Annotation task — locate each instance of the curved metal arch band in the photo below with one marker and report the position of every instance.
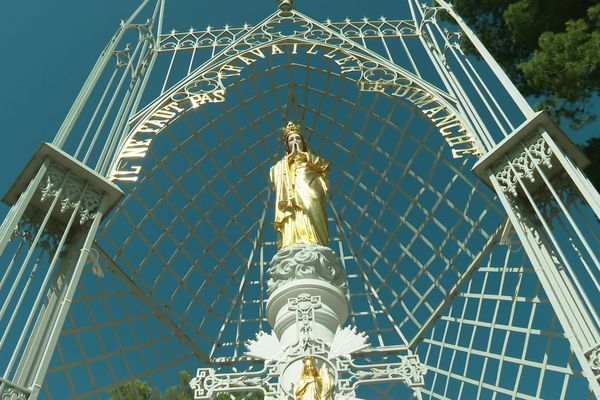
(455, 171)
(213, 67)
(157, 167)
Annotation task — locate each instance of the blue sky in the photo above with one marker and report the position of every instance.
(50, 47)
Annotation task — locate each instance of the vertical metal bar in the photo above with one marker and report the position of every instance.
(566, 213)
(478, 90)
(385, 46)
(96, 111)
(108, 111)
(11, 221)
(261, 282)
(32, 249)
(159, 25)
(568, 295)
(590, 228)
(471, 111)
(586, 266)
(542, 263)
(167, 76)
(105, 117)
(467, 110)
(4, 228)
(12, 263)
(491, 62)
(49, 275)
(147, 73)
(126, 129)
(121, 118)
(409, 56)
(68, 297)
(192, 57)
(488, 91)
(39, 332)
(90, 83)
(15, 312)
(583, 184)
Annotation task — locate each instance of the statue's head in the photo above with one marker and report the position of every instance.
(292, 136)
(309, 365)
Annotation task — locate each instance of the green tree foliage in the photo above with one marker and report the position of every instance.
(550, 49)
(137, 390)
(134, 390)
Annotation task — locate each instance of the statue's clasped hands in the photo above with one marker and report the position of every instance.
(297, 153)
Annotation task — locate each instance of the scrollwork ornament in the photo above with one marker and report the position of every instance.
(542, 152)
(145, 31)
(452, 41)
(285, 5)
(48, 190)
(74, 192)
(207, 382)
(594, 357)
(507, 180)
(429, 15)
(300, 28)
(123, 57)
(53, 180)
(89, 205)
(12, 393)
(306, 262)
(410, 371)
(23, 231)
(522, 164)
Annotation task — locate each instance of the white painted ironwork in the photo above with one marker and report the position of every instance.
(495, 291)
(306, 262)
(283, 365)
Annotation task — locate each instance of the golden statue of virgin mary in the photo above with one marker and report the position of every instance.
(314, 383)
(300, 183)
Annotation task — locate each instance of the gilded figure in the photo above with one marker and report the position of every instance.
(314, 383)
(300, 183)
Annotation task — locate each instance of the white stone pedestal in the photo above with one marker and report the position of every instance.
(306, 307)
(307, 304)
(330, 311)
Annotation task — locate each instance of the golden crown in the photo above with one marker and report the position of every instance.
(291, 127)
(309, 358)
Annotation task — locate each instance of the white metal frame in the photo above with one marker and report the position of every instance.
(541, 200)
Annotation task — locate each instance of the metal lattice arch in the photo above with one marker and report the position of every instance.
(475, 249)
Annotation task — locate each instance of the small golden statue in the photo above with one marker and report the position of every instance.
(314, 384)
(300, 183)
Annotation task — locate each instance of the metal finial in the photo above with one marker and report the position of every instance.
(285, 5)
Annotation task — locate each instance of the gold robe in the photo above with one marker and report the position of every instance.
(309, 388)
(300, 183)
(315, 386)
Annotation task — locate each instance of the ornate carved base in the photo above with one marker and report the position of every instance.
(284, 362)
(594, 358)
(306, 262)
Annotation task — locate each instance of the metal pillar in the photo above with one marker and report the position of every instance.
(58, 204)
(537, 173)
